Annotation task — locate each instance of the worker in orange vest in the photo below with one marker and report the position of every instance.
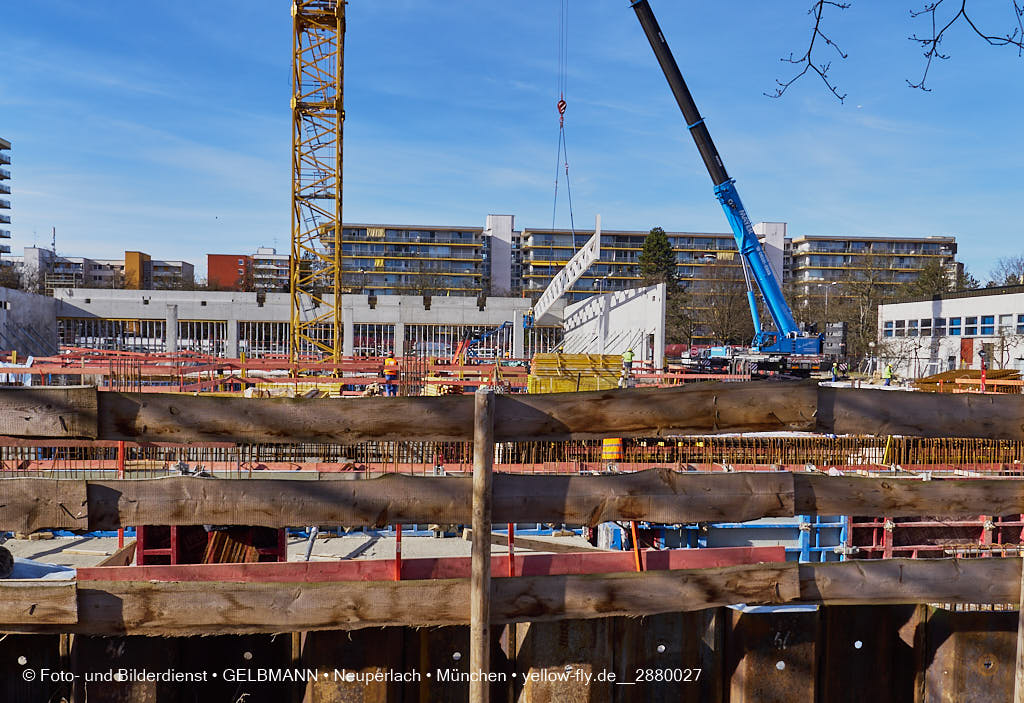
(390, 375)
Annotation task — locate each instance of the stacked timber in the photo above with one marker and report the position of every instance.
(568, 373)
(957, 379)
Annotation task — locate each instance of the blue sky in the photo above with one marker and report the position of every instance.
(165, 126)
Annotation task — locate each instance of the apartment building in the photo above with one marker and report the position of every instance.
(818, 261)
(699, 257)
(265, 270)
(415, 259)
(44, 270)
(5, 190)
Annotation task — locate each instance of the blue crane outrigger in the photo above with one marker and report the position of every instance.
(786, 338)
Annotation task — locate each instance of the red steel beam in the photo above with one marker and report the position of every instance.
(440, 568)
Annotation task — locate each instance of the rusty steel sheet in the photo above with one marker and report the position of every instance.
(772, 657)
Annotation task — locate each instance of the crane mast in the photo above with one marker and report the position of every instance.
(787, 337)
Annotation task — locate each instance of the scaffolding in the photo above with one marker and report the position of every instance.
(317, 117)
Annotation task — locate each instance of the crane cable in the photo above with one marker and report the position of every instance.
(562, 155)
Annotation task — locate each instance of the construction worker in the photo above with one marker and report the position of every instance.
(627, 361)
(835, 371)
(390, 375)
(887, 374)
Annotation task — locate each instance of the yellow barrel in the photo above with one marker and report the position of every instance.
(611, 449)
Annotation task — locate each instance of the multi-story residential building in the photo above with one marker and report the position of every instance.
(5, 190)
(229, 271)
(412, 259)
(819, 261)
(43, 270)
(270, 270)
(699, 257)
(265, 270)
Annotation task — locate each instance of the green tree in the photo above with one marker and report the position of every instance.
(657, 261)
(932, 280)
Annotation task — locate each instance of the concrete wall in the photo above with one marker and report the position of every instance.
(614, 322)
(773, 241)
(499, 229)
(915, 355)
(28, 323)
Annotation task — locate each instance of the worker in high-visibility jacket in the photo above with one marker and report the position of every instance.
(611, 449)
(627, 361)
(390, 375)
(887, 374)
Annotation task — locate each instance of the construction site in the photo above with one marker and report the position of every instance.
(342, 494)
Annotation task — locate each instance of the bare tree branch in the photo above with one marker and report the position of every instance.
(931, 44)
(807, 60)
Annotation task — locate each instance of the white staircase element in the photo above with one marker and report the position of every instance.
(576, 267)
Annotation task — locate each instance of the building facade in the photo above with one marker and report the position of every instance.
(229, 271)
(5, 203)
(816, 261)
(265, 270)
(42, 270)
(224, 323)
(951, 331)
(415, 260)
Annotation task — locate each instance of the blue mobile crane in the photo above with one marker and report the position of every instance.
(786, 348)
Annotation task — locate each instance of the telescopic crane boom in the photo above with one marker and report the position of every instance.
(787, 337)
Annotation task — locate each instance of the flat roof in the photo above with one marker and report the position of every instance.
(425, 227)
(874, 238)
(972, 293)
(4, 144)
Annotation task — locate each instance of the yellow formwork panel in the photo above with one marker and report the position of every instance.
(568, 373)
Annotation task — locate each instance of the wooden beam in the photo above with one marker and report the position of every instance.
(213, 607)
(68, 411)
(480, 580)
(657, 495)
(204, 607)
(33, 602)
(693, 409)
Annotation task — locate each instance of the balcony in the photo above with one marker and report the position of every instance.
(5, 249)
(5, 204)
(5, 189)
(4, 158)
(5, 219)
(5, 234)
(4, 173)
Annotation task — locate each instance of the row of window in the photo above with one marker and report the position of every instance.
(978, 326)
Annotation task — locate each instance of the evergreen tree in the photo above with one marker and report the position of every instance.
(931, 281)
(657, 261)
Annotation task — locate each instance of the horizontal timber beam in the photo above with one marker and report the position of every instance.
(182, 608)
(658, 495)
(53, 413)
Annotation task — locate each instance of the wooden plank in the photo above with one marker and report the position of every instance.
(895, 581)
(204, 607)
(37, 602)
(692, 409)
(818, 494)
(121, 558)
(48, 412)
(480, 579)
(657, 495)
(881, 412)
(30, 504)
(191, 608)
